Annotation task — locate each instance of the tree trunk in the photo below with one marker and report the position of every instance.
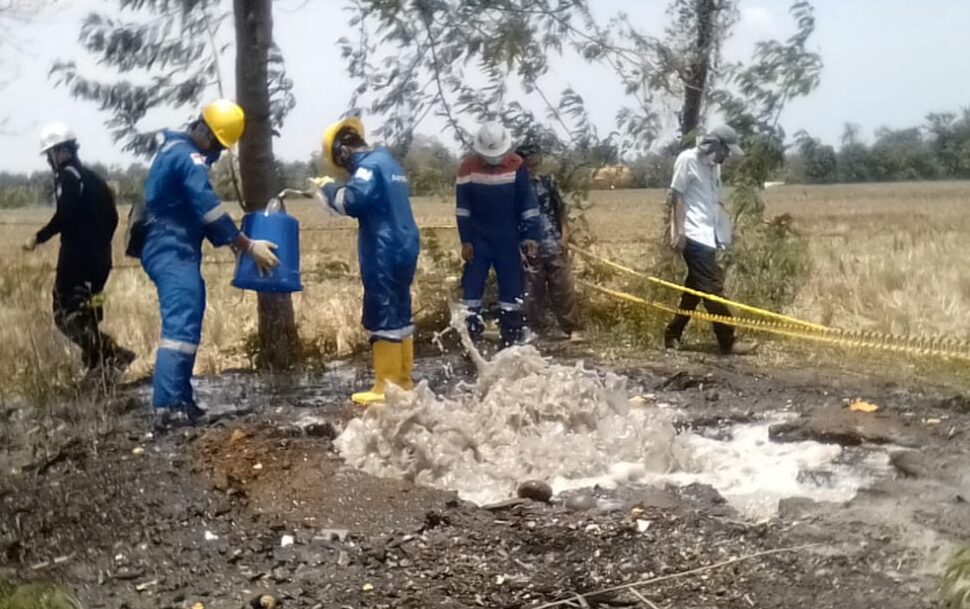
(254, 36)
(695, 77)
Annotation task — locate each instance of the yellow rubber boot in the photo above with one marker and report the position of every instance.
(407, 364)
(387, 366)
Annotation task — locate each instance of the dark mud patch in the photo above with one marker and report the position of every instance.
(189, 517)
(839, 425)
(301, 480)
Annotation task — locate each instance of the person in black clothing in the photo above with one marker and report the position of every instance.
(86, 220)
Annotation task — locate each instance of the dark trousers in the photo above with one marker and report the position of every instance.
(549, 286)
(77, 316)
(506, 259)
(703, 274)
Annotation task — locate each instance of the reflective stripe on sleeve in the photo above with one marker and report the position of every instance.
(214, 214)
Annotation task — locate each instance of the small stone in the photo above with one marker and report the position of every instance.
(909, 463)
(220, 481)
(367, 588)
(237, 435)
(138, 451)
(536, 490)
(332, 535)
(321, 430)
(210, 536)
(264, 601)
(287, 541)
(580, 503)
(221, 507)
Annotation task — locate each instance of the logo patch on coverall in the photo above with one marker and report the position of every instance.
(364, 174)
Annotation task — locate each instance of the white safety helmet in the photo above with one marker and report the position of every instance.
(493, 141)
(55, 134)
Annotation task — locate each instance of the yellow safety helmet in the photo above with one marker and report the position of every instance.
(226, 120)
(330, 136)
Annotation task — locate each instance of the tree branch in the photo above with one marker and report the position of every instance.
(441, 93)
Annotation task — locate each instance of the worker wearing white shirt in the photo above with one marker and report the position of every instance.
(699, 227)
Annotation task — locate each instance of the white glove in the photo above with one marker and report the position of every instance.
(316, 186)
(262, 254)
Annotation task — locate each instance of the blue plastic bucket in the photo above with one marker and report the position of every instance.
(283, 230)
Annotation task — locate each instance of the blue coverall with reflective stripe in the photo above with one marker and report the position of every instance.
(496, 209)
(181, 210)
(388, 241)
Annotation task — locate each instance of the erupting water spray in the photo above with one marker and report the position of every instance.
(527, 418)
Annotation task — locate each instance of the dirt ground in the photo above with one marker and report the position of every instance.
(259, 503)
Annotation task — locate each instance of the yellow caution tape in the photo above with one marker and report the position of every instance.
(952, 349)
(934, 345)
(712, 297)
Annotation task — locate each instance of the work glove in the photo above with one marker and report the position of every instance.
(262, 254)
(316, 187)
(30, 244)
(319, 182)
(467, 252)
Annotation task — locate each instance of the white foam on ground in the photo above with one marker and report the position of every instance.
(753, 473)
(529, 418)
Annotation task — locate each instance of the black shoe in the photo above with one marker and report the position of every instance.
(741, 347)
(183, 415)
(120, 360)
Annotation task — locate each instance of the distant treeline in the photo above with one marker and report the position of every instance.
(938, 149)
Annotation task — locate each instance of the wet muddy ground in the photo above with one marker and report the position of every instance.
(259, 503)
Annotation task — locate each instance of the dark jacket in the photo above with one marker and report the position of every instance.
(496, 203)
(86, 220)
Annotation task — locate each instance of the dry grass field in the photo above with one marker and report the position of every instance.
(887, 257)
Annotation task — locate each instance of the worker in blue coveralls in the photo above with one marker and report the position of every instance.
(498, 223)
(180, 210)
(374, 190)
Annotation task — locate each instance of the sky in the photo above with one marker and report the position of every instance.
(887, 63)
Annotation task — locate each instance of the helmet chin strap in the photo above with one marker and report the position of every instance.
(52, 159)
(343, 157)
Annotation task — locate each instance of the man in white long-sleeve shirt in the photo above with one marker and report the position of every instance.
(699, 228)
